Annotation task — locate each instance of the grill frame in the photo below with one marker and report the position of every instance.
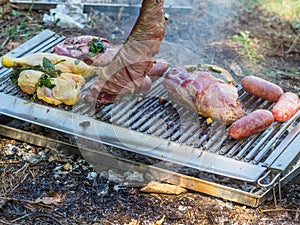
(81, 123)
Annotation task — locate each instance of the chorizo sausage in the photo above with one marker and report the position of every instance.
(286, 107)
(262, 88)
(253, 123)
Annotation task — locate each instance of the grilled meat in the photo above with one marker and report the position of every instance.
(64, 92)
(133, 61)
(207, 91)
(127, 67)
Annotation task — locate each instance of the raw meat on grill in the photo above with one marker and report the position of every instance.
(207, 91)
(133, 61)
(63, 63)
(49, 77)
(79, 47)
(82, 47)
(66, 87)
(255, 122)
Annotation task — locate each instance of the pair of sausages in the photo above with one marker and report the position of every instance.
(287, 104)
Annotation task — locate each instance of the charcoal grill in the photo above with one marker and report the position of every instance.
(153, 126)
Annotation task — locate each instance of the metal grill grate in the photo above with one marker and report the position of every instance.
(155, 127)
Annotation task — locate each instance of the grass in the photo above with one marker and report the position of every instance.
(21, 22)
(247, 45)
(286, 9)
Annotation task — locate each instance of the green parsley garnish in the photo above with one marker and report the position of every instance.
(206, 67)
(216, 72)
(211, 68)
(95, 47)
(45, 80)
(47, 68)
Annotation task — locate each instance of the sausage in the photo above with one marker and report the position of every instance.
(262, 88)
(253, 123)
(286, 107)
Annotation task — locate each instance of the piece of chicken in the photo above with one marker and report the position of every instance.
(67, 87)
(63, 92)
(28, 80)
(66, 64)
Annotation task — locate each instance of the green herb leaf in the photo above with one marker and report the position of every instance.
(45, 80)
(95, 47)
(211, 68)
(48, 66)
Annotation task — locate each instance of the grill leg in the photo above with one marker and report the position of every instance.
(274, 192)
(274, 195)
(279, 189)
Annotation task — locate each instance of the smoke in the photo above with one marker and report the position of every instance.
(207, 22)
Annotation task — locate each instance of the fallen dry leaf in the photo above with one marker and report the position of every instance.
(11, 45)
(54, 199)
(48, 200)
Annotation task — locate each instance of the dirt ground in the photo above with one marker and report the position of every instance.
(41, 186)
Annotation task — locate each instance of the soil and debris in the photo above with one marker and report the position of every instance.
(45, 186)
